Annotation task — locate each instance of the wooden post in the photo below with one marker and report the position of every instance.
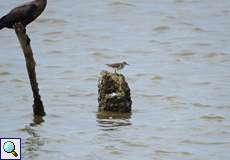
(24, 40)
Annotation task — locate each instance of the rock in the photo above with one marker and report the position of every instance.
(114, 93)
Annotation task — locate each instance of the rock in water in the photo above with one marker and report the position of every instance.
(114, 93)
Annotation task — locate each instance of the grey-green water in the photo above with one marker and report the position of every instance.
(179, 77)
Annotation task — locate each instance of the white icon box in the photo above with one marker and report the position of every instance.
(10, 149)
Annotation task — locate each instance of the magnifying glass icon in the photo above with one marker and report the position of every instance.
(9, 147)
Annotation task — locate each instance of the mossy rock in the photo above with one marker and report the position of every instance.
(114, 93)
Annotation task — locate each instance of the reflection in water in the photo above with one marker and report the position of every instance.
(33, 143)
(111, 121)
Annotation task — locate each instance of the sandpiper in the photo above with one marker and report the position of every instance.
(117, 66)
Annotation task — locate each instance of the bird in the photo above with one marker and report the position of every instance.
(117, 66)
(24, 14)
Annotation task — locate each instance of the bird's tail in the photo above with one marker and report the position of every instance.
(1, 23)
(1, 27)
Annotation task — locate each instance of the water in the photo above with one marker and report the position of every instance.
(179, 77)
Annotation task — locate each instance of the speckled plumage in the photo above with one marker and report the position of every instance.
(117, 66)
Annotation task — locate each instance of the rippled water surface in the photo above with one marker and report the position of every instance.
(179, 77)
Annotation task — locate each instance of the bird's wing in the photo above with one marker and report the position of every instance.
(113, 65)
(19, 13)
(110, 65)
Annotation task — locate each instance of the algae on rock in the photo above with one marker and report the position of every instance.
(114, 93)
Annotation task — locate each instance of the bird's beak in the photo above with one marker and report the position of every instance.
(128, 64)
